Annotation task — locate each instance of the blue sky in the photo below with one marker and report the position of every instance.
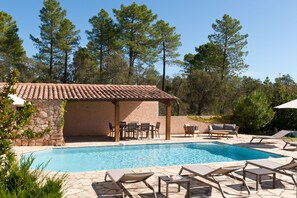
(271, 25)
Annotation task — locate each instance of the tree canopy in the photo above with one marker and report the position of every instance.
(102, 37)
(232, 43)
(68, 40)
(51, 16)
(12, 52)
(128, 45)
(134, 23)
(84, 67)
(167, 44)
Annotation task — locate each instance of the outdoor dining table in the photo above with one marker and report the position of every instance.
(123, 126)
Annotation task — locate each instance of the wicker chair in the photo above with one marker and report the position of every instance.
(191, 130)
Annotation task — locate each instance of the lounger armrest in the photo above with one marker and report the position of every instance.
(291, 165)
(226, 170)
(250, 162)
(236, 130)
(135, 177)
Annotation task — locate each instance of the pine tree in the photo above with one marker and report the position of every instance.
(116, 69)
(208, 58)
(68, 40)
(84, 67)
(168, 43)
(228, 37)
(12, 52)
(102, 38)
(51, 16)
(134, 25)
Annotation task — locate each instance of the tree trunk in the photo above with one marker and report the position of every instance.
(164, 66)
(100, 64)
(51, 61)
(65, 67)
(131, 65)
(131, 57)
(101, 60)
(101, 52)
(224, 65)
(222, 109)
(224, 58)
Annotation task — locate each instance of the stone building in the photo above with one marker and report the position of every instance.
(85, 109)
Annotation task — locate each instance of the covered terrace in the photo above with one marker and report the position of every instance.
(54, 94)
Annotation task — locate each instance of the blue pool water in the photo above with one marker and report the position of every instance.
(137, 156)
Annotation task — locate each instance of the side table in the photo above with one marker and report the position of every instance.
(168, 180)
(259, 172)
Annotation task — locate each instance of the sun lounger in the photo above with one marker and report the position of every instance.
(277, 135)
(118, 177)
(290, 143)
(276, 167)
(209, 174)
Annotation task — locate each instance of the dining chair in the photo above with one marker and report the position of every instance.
(122, 128)
(111, 130)
(156, 129)
(131, 128)
(144, 128)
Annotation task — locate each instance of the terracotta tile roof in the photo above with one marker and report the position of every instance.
(46, 91)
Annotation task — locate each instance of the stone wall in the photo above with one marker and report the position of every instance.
(48, 114)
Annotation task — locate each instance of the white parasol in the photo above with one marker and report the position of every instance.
(289, 105)
(17, 101)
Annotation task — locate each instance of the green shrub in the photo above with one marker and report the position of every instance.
(16, 179)
(21, 182)
(253, 112)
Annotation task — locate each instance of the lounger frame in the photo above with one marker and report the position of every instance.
(210, 176)
(277, 135)
(129, 178)
(280, 169)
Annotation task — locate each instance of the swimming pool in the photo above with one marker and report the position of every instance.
(136, 156)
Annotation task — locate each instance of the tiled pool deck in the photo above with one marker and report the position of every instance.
(91, 184)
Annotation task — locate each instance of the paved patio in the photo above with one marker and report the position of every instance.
(91, 184)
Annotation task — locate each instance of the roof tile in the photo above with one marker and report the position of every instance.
(96, 92)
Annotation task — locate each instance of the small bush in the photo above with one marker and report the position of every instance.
(21, 182)
(253, 112)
